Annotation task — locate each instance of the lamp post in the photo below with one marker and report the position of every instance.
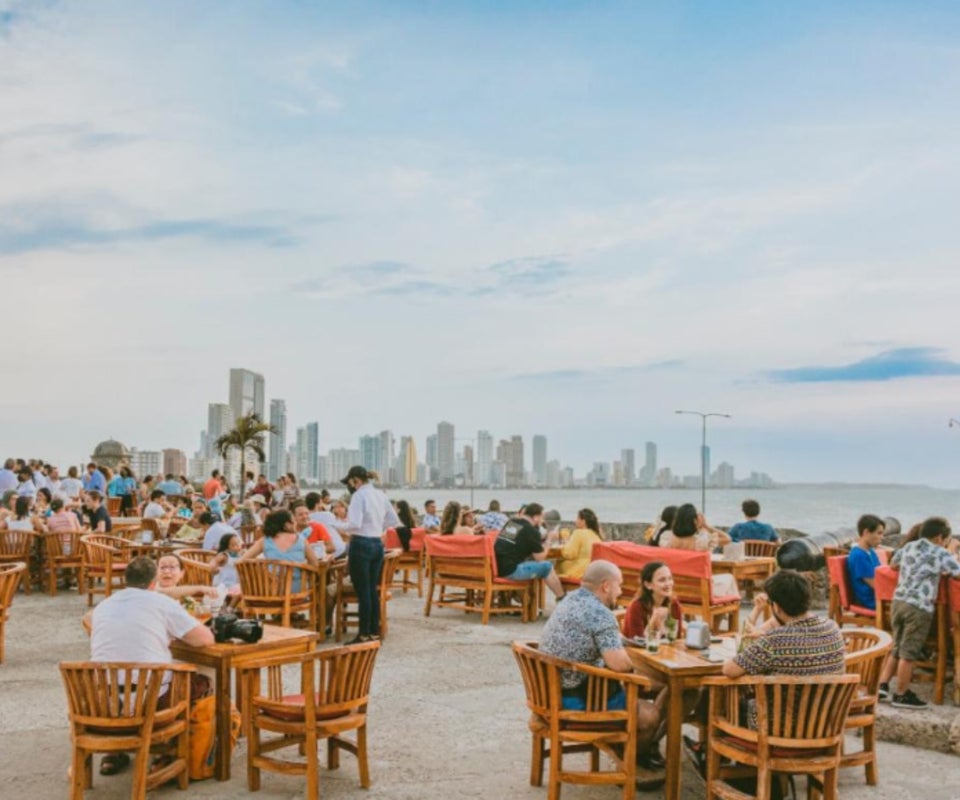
(703, 452)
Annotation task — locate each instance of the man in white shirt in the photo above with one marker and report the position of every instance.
(215, 532)
(26, 487)
(430, 521)
(158, 507)
(70, 487)
(8, 478)
(137, 625)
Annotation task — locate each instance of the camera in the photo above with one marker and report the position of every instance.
(230, 626)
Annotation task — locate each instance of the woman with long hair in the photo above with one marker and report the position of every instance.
(282, 542)
(369, 515)
(692, 532)
(575, 554)
(452, 520)
(407, 524)
(655, 532)
(654, 603)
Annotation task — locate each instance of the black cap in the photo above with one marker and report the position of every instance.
(356, 472)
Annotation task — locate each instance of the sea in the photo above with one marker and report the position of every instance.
(803, 507)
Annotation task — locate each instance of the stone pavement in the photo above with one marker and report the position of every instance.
(447, 719)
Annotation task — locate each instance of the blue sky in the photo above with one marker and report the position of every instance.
(558, 218)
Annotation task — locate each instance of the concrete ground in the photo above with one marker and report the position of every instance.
(447, 719)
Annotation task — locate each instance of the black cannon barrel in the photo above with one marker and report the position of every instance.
(805, 553)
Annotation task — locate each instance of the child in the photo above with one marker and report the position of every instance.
(863, 560)
(224, 567)
(921, 563)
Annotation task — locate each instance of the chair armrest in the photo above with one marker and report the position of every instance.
(772, 680)
(602, 672)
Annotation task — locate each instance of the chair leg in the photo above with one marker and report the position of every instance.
(487, 603)
(80, 773)
(362, 763)
(764, 777)
(830, 784)
(870, 746)
(313, 765)
(141, 763)
(253, 752)
(426, 606)
(183, 752)
(333, 753)
(536, 761)
(556, 763)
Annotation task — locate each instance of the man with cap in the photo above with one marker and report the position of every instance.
(520, 553)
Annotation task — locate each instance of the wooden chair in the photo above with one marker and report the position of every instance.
(63, 551)
(799, 730)
(103, 563)
(16, 547)
(558, 732)
(154, 527)
(463, 568)
(346, 597)
(113, 506)
(250, 533)
(410, 561)
(842, 608)
(104, 718)
(196, 566)
(266, 586)
(757, 548)
(10, 575)
(333, 693)
(867, 648)
(953, 596)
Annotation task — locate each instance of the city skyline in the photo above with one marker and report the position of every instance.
(565, 219)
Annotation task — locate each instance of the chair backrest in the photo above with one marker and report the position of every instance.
(391, 559)
(866, 649)
(153, 526)
(97, 694)
(64, 544)
(391, 540)
(840, 579)
(113, 506)
(101, 548)
(757, 547)
(266, 579)
(196, 569)
(10, 575)
(16, 544)
(461, 556)
(197, 554)
(249, 534)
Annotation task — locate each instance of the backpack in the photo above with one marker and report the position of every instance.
(203, 736)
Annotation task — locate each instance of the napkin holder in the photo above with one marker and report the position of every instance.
(698, 635)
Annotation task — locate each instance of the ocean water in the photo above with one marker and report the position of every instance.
(805, 508)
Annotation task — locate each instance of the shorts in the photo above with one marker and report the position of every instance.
(528, 570)
(577, 702)
(911, 626)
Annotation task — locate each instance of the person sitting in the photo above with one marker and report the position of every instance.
(22, 519)
(170, 485)
(316, 533)
(921, 564)
(407, 524)
(224, 565)
(215, 531)
(98, 518)
(430, 521)
(158, 507)
(520, 554)
(863, 560)
(692, 532)
(493, 519)
(583, 629)
(655, 532)
(137, 625)
(282, 542)
(451, 521)
(61, 520)
(575, 553)
(169, 575)
(752, 528)
(655, 609)
(318, 513)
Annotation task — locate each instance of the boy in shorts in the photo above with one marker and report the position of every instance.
(921, 564)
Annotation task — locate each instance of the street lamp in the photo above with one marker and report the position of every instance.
(703, 452)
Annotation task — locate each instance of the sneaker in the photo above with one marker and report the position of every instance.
(883, 693)
(908, 700)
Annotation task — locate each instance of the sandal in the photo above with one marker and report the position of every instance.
(112, 763)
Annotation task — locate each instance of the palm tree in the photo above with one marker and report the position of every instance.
(247, 434)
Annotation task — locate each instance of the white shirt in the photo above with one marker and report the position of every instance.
(211, 539)
(8, 480)
(330, 522)
(70, 487)
(27, 489)
(370, 513)
(154, 511)
(138, 625)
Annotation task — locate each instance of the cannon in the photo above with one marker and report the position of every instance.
(805, 553)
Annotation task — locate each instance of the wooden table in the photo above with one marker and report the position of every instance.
(679, 668)
(224, 657)
(750, 568)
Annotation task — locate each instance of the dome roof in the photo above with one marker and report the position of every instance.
(110, 448)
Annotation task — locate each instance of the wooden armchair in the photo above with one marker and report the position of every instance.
(757, 548)
(196, 566)
(799, 730)
(17, 547)
(266, 588)
(10, 575)
(106, 718)
(347, 597)
(63, 551)
(867, 649)
(410, 561)
(103, 564)
(842, 608)
(332, 695)
(558, 732)
(113, 506)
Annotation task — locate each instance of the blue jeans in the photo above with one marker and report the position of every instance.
(577, 702)
(365, 562)
(528, 570)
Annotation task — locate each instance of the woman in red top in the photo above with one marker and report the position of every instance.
(653, 603)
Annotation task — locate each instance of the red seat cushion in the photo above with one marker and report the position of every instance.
(727, 598)
(863, 612)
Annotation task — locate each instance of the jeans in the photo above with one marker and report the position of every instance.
(365, 562)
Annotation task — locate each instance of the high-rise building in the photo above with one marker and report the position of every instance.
(650, 464)
(369, 447)
(446, 452)
(431, 458)
(510, 452)
(553, 474)
(540, 460)
(724, 477)
(145, 462)
(339, 462)
(387, 445)
(628, 460)
(219, 421)
(246, 393)
(174, 462)
(484, 457)
(312, 455)
(469, 465)
(278, 441)
(617, 478)
(407, 462)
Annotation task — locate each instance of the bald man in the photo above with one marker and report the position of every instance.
(584, 629)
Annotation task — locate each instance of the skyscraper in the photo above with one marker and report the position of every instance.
(313, 452)
(174, 462)
(219, 421)
(407, 463)
(246, 392)
(540, 460)
(432, 458)
(278, 441)
(445, 453)
(300, 454)
(484, 457)
(386, 444)
(510, 453)
(650, 464)
(628, 460)
(705, 456)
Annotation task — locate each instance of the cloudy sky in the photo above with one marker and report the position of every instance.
(559, 218)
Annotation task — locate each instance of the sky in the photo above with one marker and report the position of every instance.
(568, 219)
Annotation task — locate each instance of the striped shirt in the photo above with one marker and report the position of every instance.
(810, 646)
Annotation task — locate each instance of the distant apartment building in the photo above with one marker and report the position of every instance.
(312, 455)
(650, 464)
(432, 458)
(484, 457)
(446, 453)
(247, 392)
(174, 462)
(340, 460)
(628, 460)
(145, 462)
(277, 446)
(540, 460)
(407, 462)
(219, 421)
(510, 453)
(723, 476)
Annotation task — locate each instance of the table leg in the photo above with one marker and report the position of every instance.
(674, 739)
(223, 720)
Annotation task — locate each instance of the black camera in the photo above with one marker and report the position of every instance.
(230, 626)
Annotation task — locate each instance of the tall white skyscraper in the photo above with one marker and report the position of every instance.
(313, 452)
(629, 462)
(387, 456)
(219, 421)
(540, 460)
(446, 453)
(339, 462)
(650, 464)
(277, 449)
(246, 392)
(484, 457)
(432, 458)
(300, 454)
(370, 453)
